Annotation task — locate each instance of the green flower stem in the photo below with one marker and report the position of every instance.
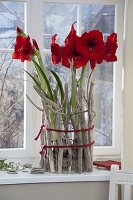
(82, 77)
(89, 81)
(73, 89)
(38, 55)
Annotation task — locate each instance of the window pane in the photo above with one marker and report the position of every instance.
(101, 17)
(103, 102)
(57, 18)
(94, 16)
(11, 16)
(11, 102)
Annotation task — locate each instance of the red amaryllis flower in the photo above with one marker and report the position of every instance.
(55, 50)
(110, 48)
(95, 46)
(23, 48)
(74, 53)
(73, 50)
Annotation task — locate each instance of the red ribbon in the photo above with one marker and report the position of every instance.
(70, 131)
(44, 148)
(43, 128)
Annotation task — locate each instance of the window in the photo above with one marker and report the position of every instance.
(57, 18)
(41, 20)
(12, 14)
(92, 16)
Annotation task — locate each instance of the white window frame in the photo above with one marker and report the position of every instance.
(30, 146)
(35, 29)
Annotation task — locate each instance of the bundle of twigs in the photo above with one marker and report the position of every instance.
(67, 139)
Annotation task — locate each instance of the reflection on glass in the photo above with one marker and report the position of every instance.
(11, 103)
(57, 18)
(11, 16)
(96, 16)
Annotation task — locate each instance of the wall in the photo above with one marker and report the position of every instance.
(56, 191)
(128, 89)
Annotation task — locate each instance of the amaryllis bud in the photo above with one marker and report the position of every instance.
(19, 30)
(35, 44)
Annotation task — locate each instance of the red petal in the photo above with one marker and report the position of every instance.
(92, 64)
(71, 36)
(15, 55)
(19, 39)
(95, 46)
(54, 38)
(111, 46)
(111, 58)
(56, 54)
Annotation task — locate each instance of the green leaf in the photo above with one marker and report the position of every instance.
(37, 82)
(45, 85)
(34, 79)
(47, 100)
(58, 82)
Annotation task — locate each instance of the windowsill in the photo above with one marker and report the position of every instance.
(27, 178)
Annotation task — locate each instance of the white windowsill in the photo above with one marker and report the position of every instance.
(25, 178)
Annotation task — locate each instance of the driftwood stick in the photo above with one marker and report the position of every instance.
(79, 135)
(90, 120)
(49, 138)
(66, 126)
(43, 141)
(84, 135)
(44, 162)
(80, 150)
(48, 134)
(76, 119)
(59, 141)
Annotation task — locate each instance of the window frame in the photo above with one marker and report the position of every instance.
(26, 151)
(117, 129)
(34, 28)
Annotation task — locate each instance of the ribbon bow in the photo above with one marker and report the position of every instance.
(43, 128)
